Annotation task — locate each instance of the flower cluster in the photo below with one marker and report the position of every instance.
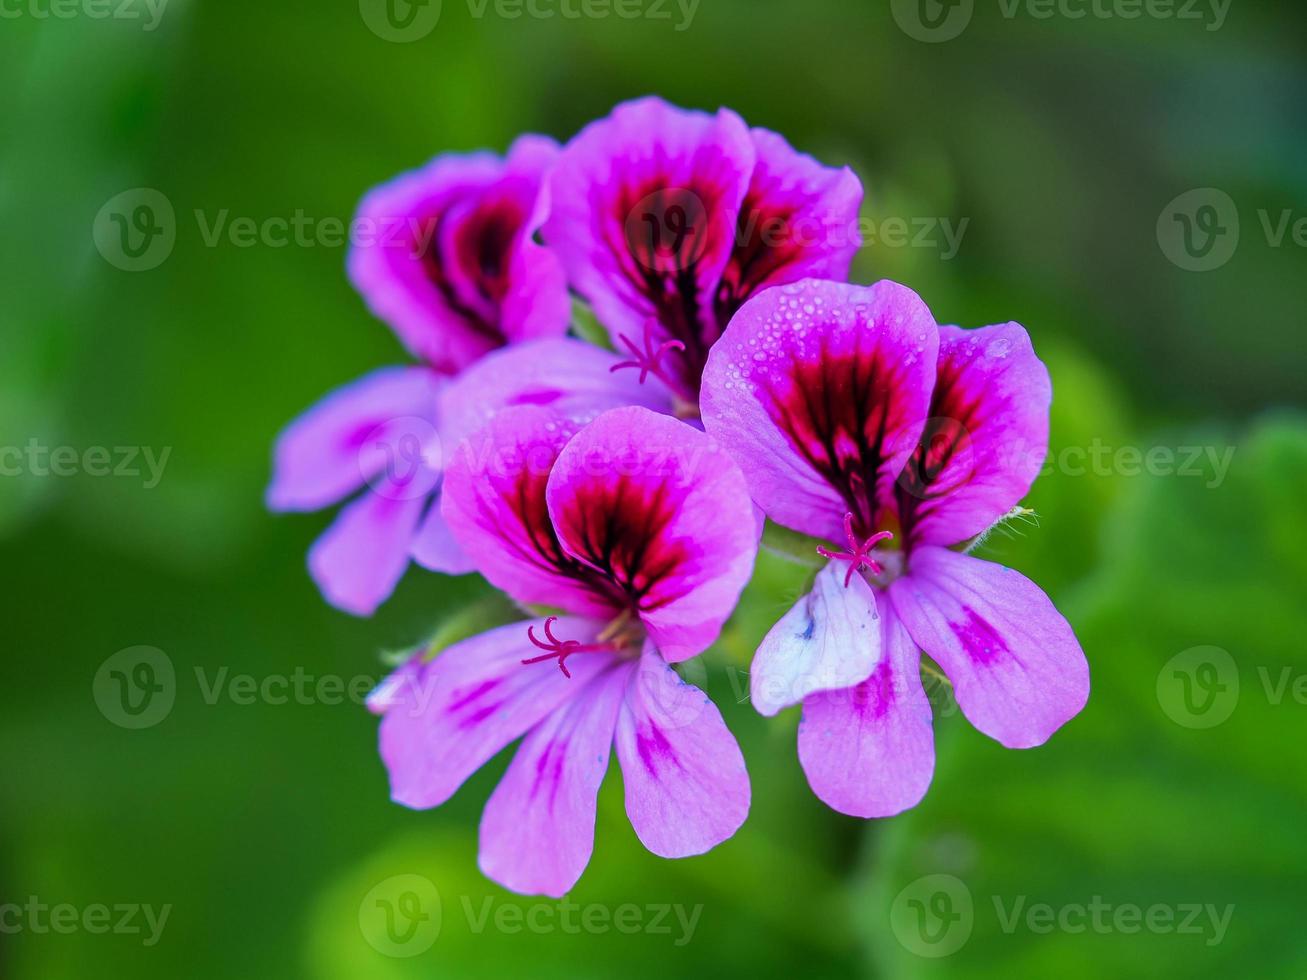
(619, 498)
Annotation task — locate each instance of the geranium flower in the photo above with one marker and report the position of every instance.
(668, 220)
(445, 255)
(856, 419)
(640, 530)
(384, 435)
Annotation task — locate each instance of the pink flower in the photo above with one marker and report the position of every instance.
(857, 419)
(389, 436)
(640, 530)
(446, 256)
(668, 220)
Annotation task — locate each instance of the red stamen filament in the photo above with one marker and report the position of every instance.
(649, 359)
(561, 649)
(859, 555)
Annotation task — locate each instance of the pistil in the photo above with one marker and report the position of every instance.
(859, 555)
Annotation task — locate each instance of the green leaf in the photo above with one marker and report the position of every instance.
(792, 546)
(588, 327)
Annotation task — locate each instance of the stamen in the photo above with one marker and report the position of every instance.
(648, 359)
(561, 649)
(859, 555)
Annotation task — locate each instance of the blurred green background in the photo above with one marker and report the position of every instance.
(1061, 141)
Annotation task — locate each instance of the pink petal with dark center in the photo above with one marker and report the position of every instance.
(986, 439)
(657, 509)
(821, 391)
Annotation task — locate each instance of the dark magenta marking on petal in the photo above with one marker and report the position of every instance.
(463, 699)
(478, 716)
(660, 234)
(979, 640)
(355, 439)
(835, 410)
(764, 246)
(549, 766)
(621, 527)
(940, 465)
(484, 242)
(526, 498)
(655, 751)
(482, 247)
(874, 696)
(538, 396)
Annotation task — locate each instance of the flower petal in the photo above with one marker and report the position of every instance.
(686, 786)
(567, 376)
(869, 751)
(986, 438)
(657, 509)
(644, 207)
(443, 720)
(359, 560)
(821, 390)
(799, 220)
(434, 546)
(1017, 668)
(330, 450)
(446, 256)
(537, 831)
(830, 640)
(494, 501)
